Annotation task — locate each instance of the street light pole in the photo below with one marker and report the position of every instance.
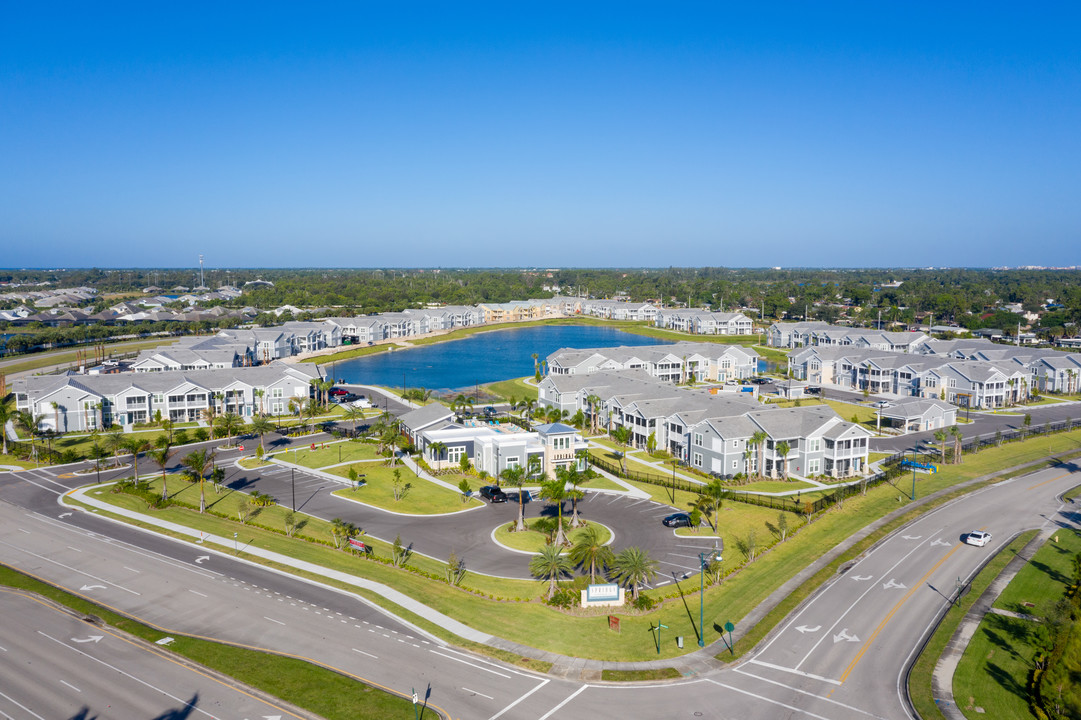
(701, 599)
(293, 483)
(913, 473)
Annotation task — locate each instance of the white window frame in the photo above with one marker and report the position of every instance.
(698, 459)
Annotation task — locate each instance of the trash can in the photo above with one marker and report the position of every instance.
(679, 641)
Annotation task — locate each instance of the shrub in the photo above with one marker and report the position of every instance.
(565, 598)
(643, 602)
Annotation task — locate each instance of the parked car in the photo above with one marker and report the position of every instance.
(881, 404)
(489, 411)
(979, 538)
(494, 494)
(336, 392)
(677, 520)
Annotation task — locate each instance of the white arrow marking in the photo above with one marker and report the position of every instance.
(805, 629)
(861, 578)
(64, 515)
(911, 537)
(941, 542)
(199, 560)
(84, 588)
(272, 717)
(843, 635)
(893, 584)
(92, 638)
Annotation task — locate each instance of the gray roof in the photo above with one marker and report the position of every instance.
(424, 416)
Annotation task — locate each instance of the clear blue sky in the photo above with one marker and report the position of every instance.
(519, 134)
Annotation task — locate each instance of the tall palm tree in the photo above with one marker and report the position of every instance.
(634, 566)
(210, 415)
(352, 413)
(136, 445)
(97, 453)
(589, 551)
(161, 456)
(594, 402)
(199, 463)
(783, 448)
(261, 425)
(230, 423)
(940, 437)
(115, 442)
(955, 432)
(6, 414)
(32, 424)
(515, 477)
(555, 491)
(622, 435)
(758, 440)
(259, 394)
(716, 492)
(550, 564)
(436, 450)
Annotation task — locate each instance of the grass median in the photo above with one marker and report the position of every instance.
(421, 497)
(326, 692)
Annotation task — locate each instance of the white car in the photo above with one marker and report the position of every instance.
(882, 404)
(979, 538)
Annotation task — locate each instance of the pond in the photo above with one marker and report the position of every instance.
(478, 359)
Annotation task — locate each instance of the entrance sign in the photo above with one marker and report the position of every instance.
(604, 595)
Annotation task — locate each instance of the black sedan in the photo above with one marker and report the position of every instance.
(677, 520)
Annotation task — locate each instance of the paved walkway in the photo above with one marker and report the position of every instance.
(699, 662)
(942, 681)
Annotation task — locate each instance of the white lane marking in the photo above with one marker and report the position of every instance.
(273, 620)
(72, 686)
(4, 649)
(466, 662)
(364, 653)
(69, 547)
(133, 570)
(183, 703)
(21, 707)
(553, 711)
(763, 698)
(198, 593)
(500, 713)
(477, 693)
(68, 567)
(804, 692)
(24, 531)
(795, 672)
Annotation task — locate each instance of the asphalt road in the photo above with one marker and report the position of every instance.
(56, 665)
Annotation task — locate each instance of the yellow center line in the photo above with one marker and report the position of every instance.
(1049, 481)
(892, 612)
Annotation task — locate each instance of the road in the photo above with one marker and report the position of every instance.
(842, 655)
(56, 665)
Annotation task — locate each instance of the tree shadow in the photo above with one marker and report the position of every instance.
(1007, 681)
(181, 713)
(1050, 572)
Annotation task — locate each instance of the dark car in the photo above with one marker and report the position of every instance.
(493, 494)
(489, 411)
(677, 520)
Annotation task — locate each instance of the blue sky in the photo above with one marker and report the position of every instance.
(550, 134)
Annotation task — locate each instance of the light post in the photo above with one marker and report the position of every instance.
(293, 484)
(715, 554)
(914, 472)
(236, 547)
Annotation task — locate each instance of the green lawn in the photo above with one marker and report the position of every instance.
(515, 389)
(330, 453)
(1045, 577)
(993, 671)
(12, 460)
(863, 413)
(537, 625)
(533, 541)
(330, 694)
(422, 498)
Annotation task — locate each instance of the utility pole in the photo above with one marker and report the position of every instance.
(201, 270)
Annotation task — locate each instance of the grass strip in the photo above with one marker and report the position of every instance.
(919, 679)
(640, 675)
(320, 690)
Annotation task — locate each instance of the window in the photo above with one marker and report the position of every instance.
(698, 459)
(513, 461)
(158, 398)
(276, 408)
(814, 444)
(277, 392)
(735, 464)
(698, 438)
(454, 454)
(814, 467)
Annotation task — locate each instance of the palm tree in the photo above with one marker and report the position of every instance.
(261, 425)
(311, 409)
(5, 415)
(259, 393)
(555, 491)
(97, 453)
(161, 457)
(589, 551)
(32, 424)
(230, 423)
(622, 435)
(759, 442)
(957, 437)
(783, 448)
(550, 564)
(436, 450)
(199, 463)
(115, 442)
(210, 415)
(594, 402)
(633, 567)
(515, 477)
(716, 492)
(167, 425)
(940, 437)
(352, 413)
(136, 445)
